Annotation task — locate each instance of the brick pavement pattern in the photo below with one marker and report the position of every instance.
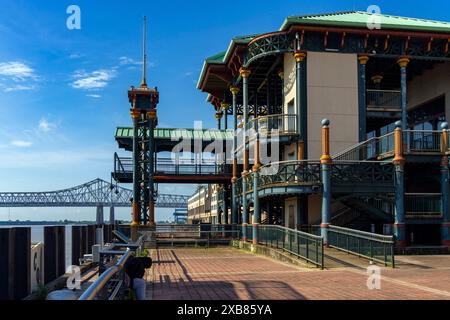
(228, 273)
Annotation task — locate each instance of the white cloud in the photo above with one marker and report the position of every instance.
(18, 71)
(75, 56)
(19, 87)
(96, 96)
(21, 143)
(129, 61)
(46, 126)
(91, 81)
(13, 74)
(126, 61)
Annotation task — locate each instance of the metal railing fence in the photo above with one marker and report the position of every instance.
(372, 246)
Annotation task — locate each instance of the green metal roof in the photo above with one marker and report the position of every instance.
(223, 56)
(178, 134)
(349, 19)
(359, 19)
(217, 58)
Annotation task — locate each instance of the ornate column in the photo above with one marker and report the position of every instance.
(325, 165)
(399, 163)
(362, 101)
(225, 107)
(225, 205)
(301, 113)
(218, 118)
(245, 73)
(403, 63)
(136, 210)
(151, 116)
(234, 206)
(256, 208)
(445, 229)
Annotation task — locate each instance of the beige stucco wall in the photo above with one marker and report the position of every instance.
(431, 84)
(332, 88)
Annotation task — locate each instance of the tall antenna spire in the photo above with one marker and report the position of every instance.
(144, 53)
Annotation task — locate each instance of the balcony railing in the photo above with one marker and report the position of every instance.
(280, 124)
(190, 166)
(290, 172)
(422, 141)
(414, 142)
(384, 100)
(364, 172)
(124, 165)
(423, 205)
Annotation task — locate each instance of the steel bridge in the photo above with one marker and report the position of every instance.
(91, 194)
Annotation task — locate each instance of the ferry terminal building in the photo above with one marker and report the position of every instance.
(373, 87)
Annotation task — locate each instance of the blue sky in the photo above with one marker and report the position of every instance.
(63, 92)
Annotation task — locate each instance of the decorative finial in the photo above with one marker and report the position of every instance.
(398, 124)
(325, 122)
(444, 125)
(144, 53)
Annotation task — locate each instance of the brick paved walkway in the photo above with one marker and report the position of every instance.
(227, 273)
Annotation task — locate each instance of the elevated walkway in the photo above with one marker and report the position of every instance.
(175, 171)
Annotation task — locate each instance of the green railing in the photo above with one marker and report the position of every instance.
(300, 244)
(289, 172)
(423, 205)
(368, 172)
(283, 173)
(368, 245)
(247, 232)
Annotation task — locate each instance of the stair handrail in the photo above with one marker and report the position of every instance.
(356, 147)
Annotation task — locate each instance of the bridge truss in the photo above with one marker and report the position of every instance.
(91, 194)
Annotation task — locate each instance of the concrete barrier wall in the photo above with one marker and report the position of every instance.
(15, 263)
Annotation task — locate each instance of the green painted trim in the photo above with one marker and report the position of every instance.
(359, 19)
(179, 133)
(224, 56)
